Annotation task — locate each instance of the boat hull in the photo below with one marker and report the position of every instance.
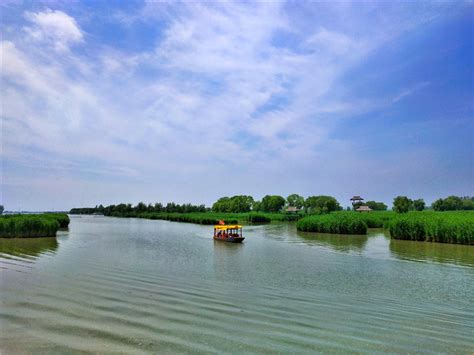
(230, 239)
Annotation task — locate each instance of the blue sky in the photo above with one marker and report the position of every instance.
(128, 101)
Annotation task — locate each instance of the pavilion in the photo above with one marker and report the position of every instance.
(356, 199)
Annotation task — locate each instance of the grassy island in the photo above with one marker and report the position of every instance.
(32, 225)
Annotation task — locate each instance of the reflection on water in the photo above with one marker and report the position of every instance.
(338, 242)
(437, 252)
(28, 246)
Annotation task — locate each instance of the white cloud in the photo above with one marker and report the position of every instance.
(215, 92)
(55, 27)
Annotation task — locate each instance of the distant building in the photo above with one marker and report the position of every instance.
(364, 209)
(292, 209)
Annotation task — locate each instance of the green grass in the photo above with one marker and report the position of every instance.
(443, 227)
(28, 226)
(336, 223)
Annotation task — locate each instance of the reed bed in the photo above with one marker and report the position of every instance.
(62, 218)
(28, 226)
(444, 227)
(441, 227)
(336, 223)
(374, 219)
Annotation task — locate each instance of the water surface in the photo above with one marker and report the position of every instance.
(132, 285)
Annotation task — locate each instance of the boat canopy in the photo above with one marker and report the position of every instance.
(224, 228)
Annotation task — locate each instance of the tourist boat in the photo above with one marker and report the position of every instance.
(228, 233)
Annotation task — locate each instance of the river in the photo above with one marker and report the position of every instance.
(133, 285)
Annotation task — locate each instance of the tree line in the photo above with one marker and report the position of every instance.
(276, 203)
(124, 209)
(403, 204)
(319, 204)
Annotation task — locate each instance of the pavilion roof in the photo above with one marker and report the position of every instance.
(356, 198)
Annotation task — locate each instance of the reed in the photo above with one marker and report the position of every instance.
(442, 227)
(28, 226)
(336, 223)
(62, 218)
(375, 219)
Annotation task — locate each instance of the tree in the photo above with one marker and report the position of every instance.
(467, 203)
(221, 205)
(322, 204)
(234, 204)
(241, 203)
(295, 200)
(1, 209)
(377, 206)
(419, 204)
(257, 206)
(453, 203)
(272, 203)
(141, 207)
(402, 204)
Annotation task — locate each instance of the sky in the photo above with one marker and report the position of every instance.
(104, 102)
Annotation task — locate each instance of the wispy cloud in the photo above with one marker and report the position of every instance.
(54, 27)
(409, 91)
(224, 85)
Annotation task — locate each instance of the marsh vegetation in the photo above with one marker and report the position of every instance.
(32, 225)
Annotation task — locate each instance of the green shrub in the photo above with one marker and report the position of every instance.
(402, 204)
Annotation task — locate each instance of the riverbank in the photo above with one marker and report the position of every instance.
(32, 225)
